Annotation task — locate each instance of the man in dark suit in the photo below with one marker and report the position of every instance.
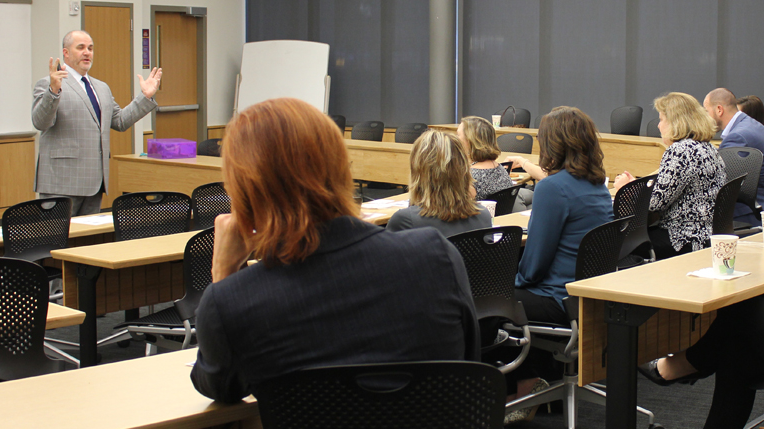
(738, 130)
(75, 112)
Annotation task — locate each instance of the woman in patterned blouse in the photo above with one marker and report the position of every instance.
(479, 138)
(690, 175)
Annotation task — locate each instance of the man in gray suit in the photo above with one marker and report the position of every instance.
(738, 130)
(75, 112)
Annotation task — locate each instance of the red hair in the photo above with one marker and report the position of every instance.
(286, 169)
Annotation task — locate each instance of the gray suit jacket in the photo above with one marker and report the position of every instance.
(747, 132)
(74, 147)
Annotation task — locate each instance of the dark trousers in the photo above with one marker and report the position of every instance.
(733, 348)
(661, 241)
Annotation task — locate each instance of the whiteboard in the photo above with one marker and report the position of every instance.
(16, 84)
(284, 68)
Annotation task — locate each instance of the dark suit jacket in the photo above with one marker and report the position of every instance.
(365, 296)
(747, 132)
(74, 146)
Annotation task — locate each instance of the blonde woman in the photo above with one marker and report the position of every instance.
(479, 138)
(689, 177)
(441, 189)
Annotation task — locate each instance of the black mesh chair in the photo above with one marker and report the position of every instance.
(491, 256)
(724, 207)
(207, 202)
(652, 128)
(33, 228)
(515, 142)
(626, 120)
(438, 394)
(633, 199)
(598, 254)
(340, 121)
(23, 312)
(369, 130)
(408, 133)
(515, 117)
(739, 161)
(174, 327)
(505, 199)
(142, 215)
(537, 121)
(209, 147)
(150, 214)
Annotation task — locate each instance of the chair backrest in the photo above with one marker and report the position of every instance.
(626, 120)
(633, 199)
(197, 271)
(23, 310)
(408, 133)
(369, 130)
(149, 214)
(33, 228)
(515, 142)
(505, 199)
(394, 395)
(340, 121)
(537, 121)
(600, 248)
(514, 116)
(724, 207)
(208, 201)
(210, 147)
(744, 160)
(652, 128)
(491, 256)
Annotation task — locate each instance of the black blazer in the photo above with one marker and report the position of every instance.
(365, 296)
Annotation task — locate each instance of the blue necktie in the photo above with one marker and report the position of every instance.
(93, 98)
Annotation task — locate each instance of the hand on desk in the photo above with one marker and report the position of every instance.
(231, 249)
(519, 162)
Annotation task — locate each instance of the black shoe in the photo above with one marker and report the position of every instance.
(650, 371)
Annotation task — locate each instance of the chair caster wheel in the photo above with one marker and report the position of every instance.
(655, 426)
(124, 344)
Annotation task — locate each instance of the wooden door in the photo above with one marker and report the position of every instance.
(111, 30)
(176, 53)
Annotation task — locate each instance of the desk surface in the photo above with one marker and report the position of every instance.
(148, 392)
(665, 284)
(59, 316)
(126, 254)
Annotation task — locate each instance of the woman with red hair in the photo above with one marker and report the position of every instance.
(329, 288)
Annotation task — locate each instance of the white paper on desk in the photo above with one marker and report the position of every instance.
(526, 213)
(385, 204)
(370, 216)
(104, 219)
(709, 273)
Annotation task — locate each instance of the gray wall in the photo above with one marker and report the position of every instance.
(593, 54)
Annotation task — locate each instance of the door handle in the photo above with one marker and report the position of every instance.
(178, 108)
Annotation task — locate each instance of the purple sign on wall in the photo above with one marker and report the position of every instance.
(146, 57)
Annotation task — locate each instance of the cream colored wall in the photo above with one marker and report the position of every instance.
(225, 37)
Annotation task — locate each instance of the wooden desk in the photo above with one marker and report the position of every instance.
(640, 155)
(660, 298)
(150, 392)
(137, 273)
(60, 316)
(372, 161)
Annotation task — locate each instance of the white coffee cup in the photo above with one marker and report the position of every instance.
(723, 250)
(496, 119)
(490, 206)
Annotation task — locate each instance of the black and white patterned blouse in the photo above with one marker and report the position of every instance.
(690, 175)
(490, 180)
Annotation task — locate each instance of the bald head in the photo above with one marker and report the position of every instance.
(721, 105)
(69, 37)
